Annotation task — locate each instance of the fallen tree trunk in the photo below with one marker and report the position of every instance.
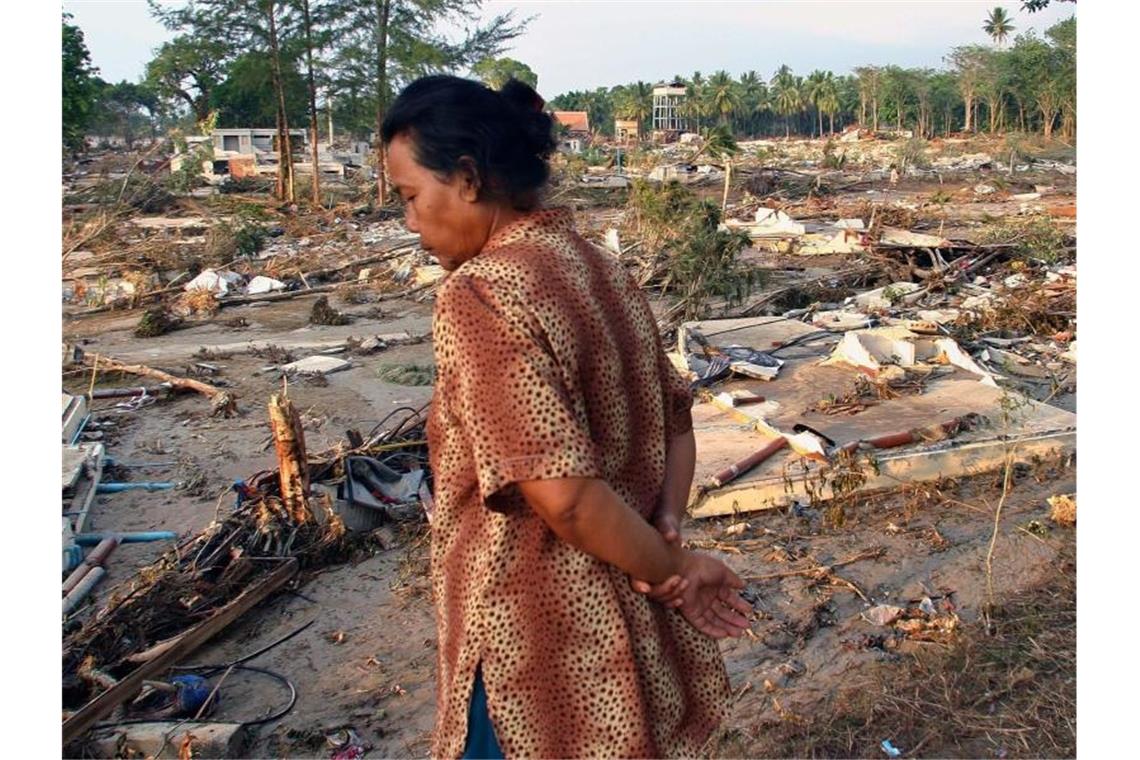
(221, 401)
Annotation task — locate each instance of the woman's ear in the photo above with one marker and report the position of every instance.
(468, 176)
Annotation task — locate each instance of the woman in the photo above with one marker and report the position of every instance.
(560, 436)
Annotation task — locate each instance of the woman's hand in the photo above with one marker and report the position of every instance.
(709, 598)
(705, 591)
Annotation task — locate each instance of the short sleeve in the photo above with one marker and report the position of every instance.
(502, 384)
(678, 398)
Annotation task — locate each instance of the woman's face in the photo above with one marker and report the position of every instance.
(452, 224)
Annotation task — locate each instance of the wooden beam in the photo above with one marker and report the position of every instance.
(103, 704)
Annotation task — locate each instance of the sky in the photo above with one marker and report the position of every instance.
(583, 44)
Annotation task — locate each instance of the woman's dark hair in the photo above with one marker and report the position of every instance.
(506, 133)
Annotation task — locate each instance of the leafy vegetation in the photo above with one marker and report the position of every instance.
(79, 85)
(682, 233)
(494, 72)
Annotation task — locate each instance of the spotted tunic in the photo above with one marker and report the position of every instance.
(549, 366)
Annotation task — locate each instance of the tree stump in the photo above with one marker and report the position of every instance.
(293, 463)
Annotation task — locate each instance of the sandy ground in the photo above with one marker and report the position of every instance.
(367, 660)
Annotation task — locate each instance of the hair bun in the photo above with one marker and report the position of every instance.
(537, 124)
(521, 95)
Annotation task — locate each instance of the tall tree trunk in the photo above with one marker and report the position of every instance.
(727, 180)
(312, 104)
(875, 113)
(820, 113)
(1048, 115)
(968, 98)
(284, 148)
(831, 121)
(862, 109)
(382, 10)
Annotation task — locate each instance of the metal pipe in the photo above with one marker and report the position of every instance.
(734, 471)
(91, 539)
(893, 440)
(97, 558)
(79, 430)
(72, 557)
(140, 486)
(83, 588)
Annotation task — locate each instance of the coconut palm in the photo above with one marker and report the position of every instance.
(787, 96)
(696, 104)
(719, 144)
(753, 98)
(635, 102)
(816, 88)
(827, 100)
(723, 96)
(998, 25)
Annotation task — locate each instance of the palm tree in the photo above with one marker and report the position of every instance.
(753, 98)
(815, 91)
(696, 105)
(723, 97)
(786, 96)
(998, 25)
(719, 144)
(635, 102)
(828, 100)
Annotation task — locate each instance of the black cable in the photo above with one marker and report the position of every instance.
(807, 337)
(746, 327)
(248, 657)
(389, 416)
(257, 722)
(417, 416)
(281, 679)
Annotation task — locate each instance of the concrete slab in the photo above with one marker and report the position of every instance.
(316, 365)
(1015, 425)
(82, 472)
(74, 415)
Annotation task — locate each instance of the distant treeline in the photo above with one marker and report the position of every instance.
(1028, 86)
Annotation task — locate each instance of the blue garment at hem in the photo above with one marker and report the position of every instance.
(481, 741)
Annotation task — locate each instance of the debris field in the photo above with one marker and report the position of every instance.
(884, 373)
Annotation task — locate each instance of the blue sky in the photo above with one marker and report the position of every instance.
(589, 43)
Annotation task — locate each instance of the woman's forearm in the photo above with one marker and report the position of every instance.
(588, 515)
(680, 464)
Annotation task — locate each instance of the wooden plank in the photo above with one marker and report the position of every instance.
(103, 704)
